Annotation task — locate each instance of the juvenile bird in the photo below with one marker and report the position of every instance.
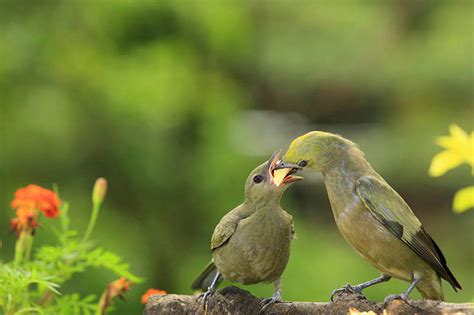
(251, 243)
(371, 215)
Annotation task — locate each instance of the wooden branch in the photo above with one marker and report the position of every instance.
(232, 300)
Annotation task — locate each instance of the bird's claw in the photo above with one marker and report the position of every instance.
(392, 297)
(205, 297)
(347, 288)
(265, 303)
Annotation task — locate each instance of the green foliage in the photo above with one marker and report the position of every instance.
(16, 292)
(73, 304)
(35, 286)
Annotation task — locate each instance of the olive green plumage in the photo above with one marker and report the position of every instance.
(251, 243)
(371, 215)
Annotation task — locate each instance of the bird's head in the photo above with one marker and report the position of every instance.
(316, 151)
(261, 184)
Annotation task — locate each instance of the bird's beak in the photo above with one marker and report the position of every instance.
(283, 173)
(273, 161)
(281, 164)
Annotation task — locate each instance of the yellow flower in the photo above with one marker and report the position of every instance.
(464, 199)
(459, 149)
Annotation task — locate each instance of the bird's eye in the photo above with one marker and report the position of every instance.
(302, 163)
(257, 179)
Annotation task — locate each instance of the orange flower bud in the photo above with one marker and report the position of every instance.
(116, 288)
(99, 190)
(151, 292)
(119, 287)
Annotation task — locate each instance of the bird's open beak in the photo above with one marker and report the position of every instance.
(280, 172)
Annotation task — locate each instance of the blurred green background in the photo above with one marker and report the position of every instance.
(174, 102)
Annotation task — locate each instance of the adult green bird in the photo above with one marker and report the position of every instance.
(371, 215)
(251, 243)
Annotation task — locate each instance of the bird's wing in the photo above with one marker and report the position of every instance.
(386, 205)
(289, 218)
(226, 227)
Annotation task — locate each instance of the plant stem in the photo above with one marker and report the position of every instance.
(10, 307)
(28, 246)
(92, 220)
(20, 247)
(102, 305)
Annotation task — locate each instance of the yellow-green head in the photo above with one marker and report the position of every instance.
(261, 185)
(316, 150)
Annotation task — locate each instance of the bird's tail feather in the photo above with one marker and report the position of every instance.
(205, 278)
(447, 274)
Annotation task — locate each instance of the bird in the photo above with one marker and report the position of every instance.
(251, 243)
(371, 216)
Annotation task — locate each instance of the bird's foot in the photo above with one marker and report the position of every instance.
(265, 303)
(347, 288)
(205, 297)
(391, 297)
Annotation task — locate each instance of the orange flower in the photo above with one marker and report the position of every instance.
(116, 288)
(26, 220)
(151, 292)
(39, 198)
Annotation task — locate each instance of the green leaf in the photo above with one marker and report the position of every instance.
(113, 262)
(17, 288)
